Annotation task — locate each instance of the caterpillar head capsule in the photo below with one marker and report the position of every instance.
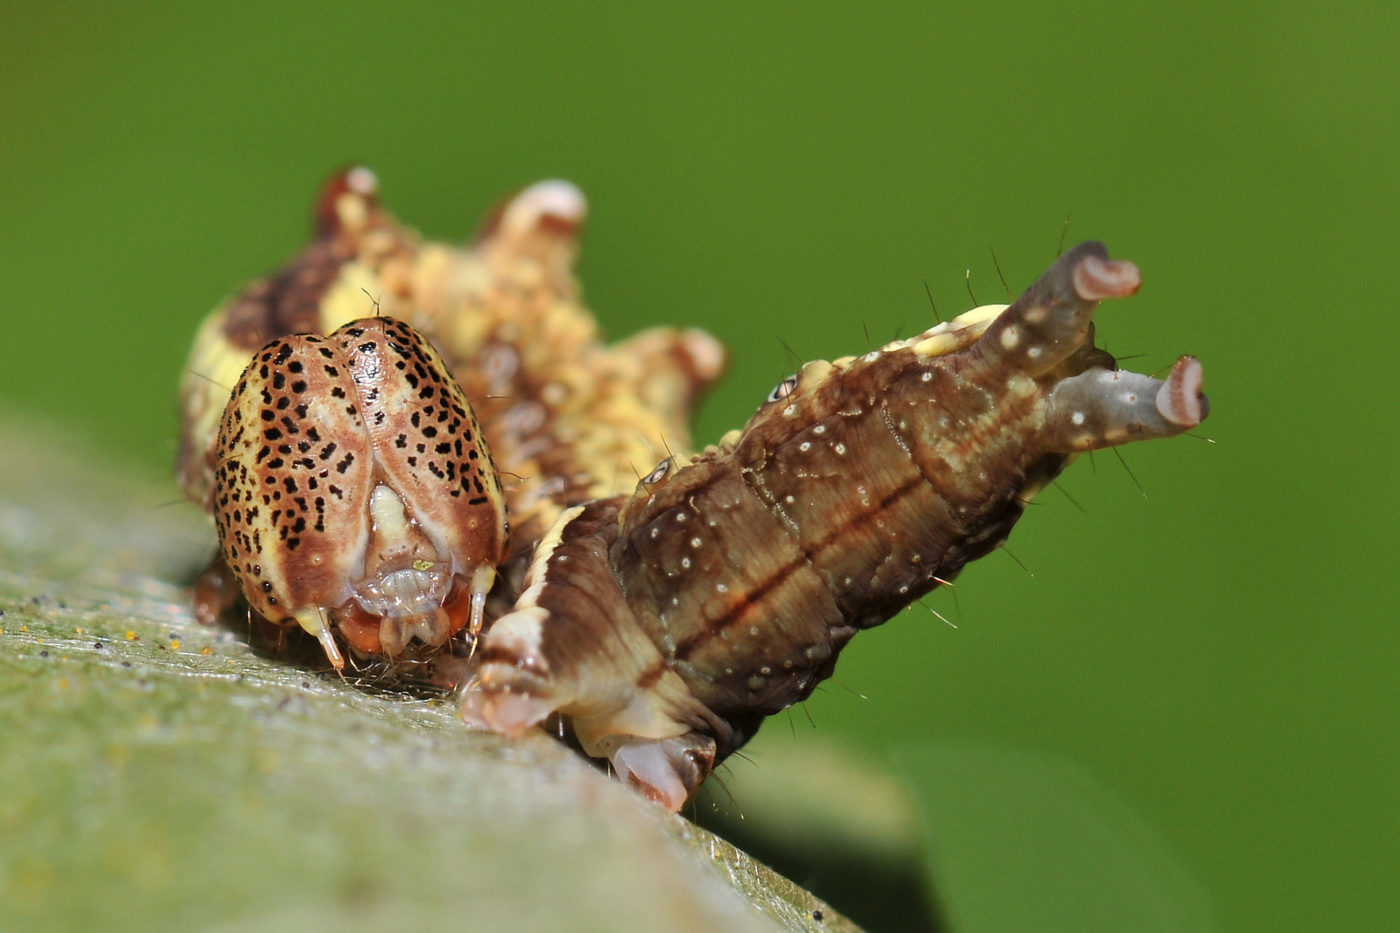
(354, 492)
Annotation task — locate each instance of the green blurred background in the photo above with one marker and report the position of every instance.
(1184, 716)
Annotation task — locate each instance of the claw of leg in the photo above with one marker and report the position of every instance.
(313, 620)
(483, 578)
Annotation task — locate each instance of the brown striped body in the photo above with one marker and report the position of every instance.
(723, 590)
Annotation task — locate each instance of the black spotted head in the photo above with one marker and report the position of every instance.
(354, 489)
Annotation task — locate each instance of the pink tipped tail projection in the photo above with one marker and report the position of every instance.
(1180, 400)
(1097, 278)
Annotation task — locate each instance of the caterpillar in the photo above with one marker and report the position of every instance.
(455, 474)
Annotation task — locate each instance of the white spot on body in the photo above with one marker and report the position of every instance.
(1037, 315)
